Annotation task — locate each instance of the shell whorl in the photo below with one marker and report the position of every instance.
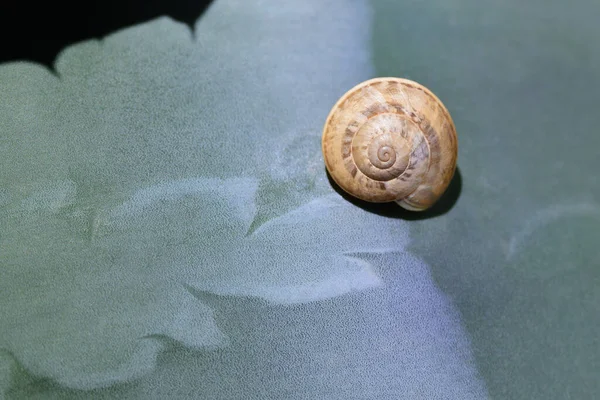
(391, 139)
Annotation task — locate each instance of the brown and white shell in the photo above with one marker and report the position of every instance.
(391, 139)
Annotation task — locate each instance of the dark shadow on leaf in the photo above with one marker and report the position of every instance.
(37, 31)
(392, 210)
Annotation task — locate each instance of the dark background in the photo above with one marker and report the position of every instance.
(39, 30)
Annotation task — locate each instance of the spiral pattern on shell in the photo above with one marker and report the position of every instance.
(391, 139)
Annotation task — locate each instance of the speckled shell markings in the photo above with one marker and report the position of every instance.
(391, 139)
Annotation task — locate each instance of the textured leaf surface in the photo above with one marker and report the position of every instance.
(166, 192)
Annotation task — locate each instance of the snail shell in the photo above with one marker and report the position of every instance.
(391, 139)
